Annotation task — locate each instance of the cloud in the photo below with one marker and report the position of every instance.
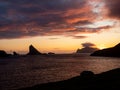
(28, 18)
(84, 22)
(53, 38)
(88, 44)
(79, 37)
(87, 29)
(113, 8)
(87, 48)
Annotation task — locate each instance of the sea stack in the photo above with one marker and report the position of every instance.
(108, 52)
(33, 51)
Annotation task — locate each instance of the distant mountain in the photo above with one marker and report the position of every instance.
(33, 51)
(86, 50)
(108, 52)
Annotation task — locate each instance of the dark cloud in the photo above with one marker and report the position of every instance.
(113, 7)
(84, 22)
(86, 29)
(87, 48)
(53, 38)
(88, 44)
(28, 18)
(79, 37)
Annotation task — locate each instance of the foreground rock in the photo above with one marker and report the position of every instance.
(33, 51)
(109, 80)
(109, 52)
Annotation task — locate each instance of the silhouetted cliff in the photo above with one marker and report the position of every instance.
(33, 51)
(109, 52)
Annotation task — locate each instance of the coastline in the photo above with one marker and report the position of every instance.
(86, 80)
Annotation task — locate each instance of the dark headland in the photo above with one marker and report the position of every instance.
(4, 54)
(87, 80)
(108, 52)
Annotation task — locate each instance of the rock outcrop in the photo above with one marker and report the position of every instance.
(33, 51)
(108, 52)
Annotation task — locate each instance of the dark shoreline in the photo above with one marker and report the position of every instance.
(109, 80)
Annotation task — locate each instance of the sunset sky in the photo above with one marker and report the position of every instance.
(60, 26)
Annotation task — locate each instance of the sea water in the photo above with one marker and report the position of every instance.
(26, 71)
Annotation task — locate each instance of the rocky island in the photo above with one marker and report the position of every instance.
(33, 51)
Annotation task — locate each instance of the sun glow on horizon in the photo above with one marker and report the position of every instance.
(102, 46)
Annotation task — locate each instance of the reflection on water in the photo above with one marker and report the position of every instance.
(31, 70)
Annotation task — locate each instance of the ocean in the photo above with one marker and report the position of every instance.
(25, 71)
